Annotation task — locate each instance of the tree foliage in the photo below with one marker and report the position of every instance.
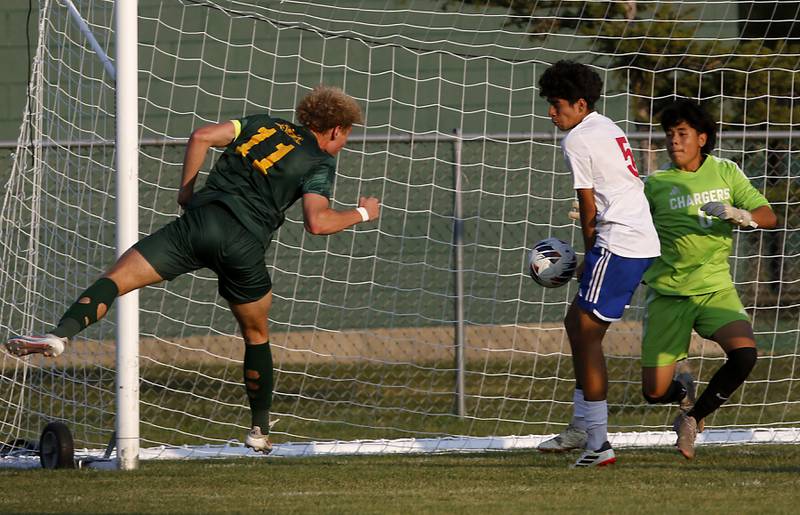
(656, 52)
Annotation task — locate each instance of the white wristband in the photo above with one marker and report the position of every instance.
(363, 212)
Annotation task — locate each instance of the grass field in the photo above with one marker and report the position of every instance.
(745, 479)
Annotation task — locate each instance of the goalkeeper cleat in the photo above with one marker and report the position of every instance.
(599, 458)
(258, 441)
(570, 438)
(685, 427)
(49, 345)
(687, 403)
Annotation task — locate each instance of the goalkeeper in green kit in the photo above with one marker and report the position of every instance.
(696, 203)
(266, 166)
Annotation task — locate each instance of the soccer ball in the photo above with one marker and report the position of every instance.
(552, 262)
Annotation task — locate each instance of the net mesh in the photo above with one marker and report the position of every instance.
(363, 322)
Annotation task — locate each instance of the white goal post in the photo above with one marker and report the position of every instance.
(421, 332)
(127, 203)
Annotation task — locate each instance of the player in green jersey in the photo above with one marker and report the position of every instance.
(267, 165)
(696, 203)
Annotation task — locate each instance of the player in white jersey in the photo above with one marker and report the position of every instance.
(619, 239)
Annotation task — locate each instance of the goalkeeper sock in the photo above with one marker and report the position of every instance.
(81, 315)
(675, 393)
(596, 424)
(727, 379)
(258, 383)
(578, 410)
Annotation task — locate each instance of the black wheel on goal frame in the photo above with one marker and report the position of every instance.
(56, 449)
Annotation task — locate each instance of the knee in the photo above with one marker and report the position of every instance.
(254, 335)
(255, 329)
(742, 360)
(654, 392)
(653, 396)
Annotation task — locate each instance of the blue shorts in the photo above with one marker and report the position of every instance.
(608, 282)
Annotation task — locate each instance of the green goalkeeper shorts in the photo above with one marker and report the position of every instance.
(210, 236)
(669, 321)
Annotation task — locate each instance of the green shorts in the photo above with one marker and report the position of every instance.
(669, 321)
(210, 236)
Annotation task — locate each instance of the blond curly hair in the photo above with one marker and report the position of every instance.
(326, 107)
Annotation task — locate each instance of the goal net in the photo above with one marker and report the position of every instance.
(366, 325)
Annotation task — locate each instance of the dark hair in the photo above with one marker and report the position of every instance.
(571, 81)
(692, 113)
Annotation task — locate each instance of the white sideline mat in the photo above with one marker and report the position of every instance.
(420, 446)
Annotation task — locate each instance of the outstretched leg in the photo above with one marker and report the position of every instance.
(131, 271)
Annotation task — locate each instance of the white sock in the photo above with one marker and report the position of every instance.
(596, 424)
(578, 410)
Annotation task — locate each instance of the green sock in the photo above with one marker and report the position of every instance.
(80, 315)
(258, 383)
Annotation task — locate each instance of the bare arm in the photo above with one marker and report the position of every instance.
(203, 138)
(588, 215)
(764, 217)
(319, 218)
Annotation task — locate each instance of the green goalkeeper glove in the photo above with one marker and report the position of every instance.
(740, 217)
